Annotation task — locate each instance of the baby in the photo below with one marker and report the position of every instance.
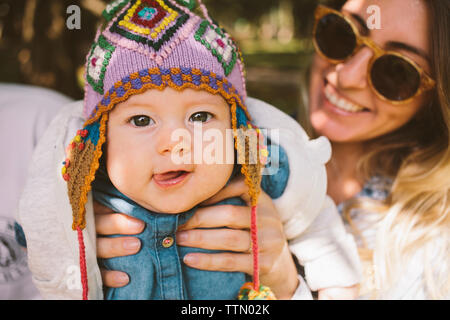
(157, 72)
(141, 177)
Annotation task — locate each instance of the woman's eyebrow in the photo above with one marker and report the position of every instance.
(390, 44)
(407, 47)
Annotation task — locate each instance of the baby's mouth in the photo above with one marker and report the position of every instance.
(170, 178)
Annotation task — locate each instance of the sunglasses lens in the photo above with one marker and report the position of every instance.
(395, 78)
(335, 37)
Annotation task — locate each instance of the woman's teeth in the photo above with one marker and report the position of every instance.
(341, 103)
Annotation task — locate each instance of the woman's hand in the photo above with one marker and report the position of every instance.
(109, 223)
(277, 268)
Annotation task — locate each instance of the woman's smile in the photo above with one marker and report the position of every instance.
(336, 102)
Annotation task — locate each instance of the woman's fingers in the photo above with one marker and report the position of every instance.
(117, 223)
(101, 209)
(276, 266)
(270, 240)
(114, 279)
(117, 247)
(236, 236)
(216, 239)
(108, 223)
(227, 262)
(236, 217)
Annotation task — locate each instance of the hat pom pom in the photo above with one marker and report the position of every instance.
(247, 292)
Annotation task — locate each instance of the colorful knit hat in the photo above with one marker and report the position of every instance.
(154, 44)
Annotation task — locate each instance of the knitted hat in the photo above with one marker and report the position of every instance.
(155, 44)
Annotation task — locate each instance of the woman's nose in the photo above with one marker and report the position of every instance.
(352, 74)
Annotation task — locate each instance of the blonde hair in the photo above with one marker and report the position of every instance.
(415, 218)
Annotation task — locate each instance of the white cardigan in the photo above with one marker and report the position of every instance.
(312, 224)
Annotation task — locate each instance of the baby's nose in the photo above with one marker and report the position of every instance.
(174, 141)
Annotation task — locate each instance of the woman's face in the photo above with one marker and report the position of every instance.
(402, 21)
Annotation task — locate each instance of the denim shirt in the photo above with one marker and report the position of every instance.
(157, 271)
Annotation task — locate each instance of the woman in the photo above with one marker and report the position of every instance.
(381, 122)
(387, 113)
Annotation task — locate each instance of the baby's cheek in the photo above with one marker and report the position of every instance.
(117, 172)
(214, 178)
(126, 172)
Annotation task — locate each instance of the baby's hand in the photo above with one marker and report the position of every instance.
(347, 293)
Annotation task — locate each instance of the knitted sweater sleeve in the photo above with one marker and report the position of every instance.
(45, 215)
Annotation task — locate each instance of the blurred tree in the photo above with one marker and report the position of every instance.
(228, 11)
(37, 48)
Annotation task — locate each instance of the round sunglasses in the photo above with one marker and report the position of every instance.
(393, 76)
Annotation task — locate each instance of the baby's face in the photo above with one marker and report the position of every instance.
(140, 149)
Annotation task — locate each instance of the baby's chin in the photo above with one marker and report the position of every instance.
(172, 206)
(183, 198)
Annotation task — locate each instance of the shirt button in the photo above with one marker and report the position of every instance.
(167, 242)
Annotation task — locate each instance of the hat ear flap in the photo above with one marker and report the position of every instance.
(248, 145)
(79, 170)
(80, 167)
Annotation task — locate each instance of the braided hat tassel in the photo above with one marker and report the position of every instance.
(251, 169)
(78, 171)
(83, 268)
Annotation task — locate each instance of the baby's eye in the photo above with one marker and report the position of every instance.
(141, 121)
(201, 117)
